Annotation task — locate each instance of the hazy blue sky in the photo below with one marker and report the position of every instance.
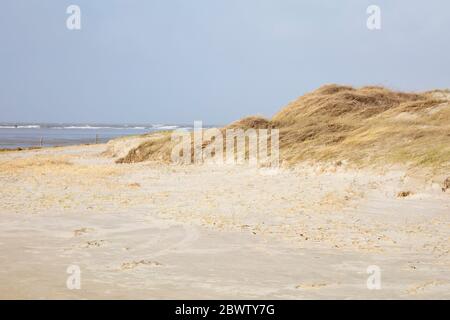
(174, 61)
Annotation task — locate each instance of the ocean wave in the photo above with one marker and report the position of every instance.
(97, 128)
(31, 126)
(91, 127)
(164, 127)
(84, 127)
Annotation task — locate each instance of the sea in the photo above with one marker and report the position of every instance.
(25, 135)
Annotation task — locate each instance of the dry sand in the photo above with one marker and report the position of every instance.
(151, 231)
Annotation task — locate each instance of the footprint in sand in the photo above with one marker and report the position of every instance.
(134, 185)
(134, 264)
(404, 194)
(94, 244)
(312, 285)
(81, 231)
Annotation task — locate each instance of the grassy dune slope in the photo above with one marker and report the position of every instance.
(364, 126)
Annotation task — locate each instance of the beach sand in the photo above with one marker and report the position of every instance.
(155, 231)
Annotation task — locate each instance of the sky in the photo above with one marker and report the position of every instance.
(176, 61)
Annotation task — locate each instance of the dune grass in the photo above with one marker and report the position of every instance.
(364, 126)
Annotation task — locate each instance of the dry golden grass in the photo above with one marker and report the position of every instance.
(58, 166)
(35, 162)
(252, 122)
(157, 148)
(364, 126)
(370, 125)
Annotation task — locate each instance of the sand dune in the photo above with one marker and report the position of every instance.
(365, 127)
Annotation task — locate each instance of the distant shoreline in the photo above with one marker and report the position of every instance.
(19, 136)
(35, 135)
